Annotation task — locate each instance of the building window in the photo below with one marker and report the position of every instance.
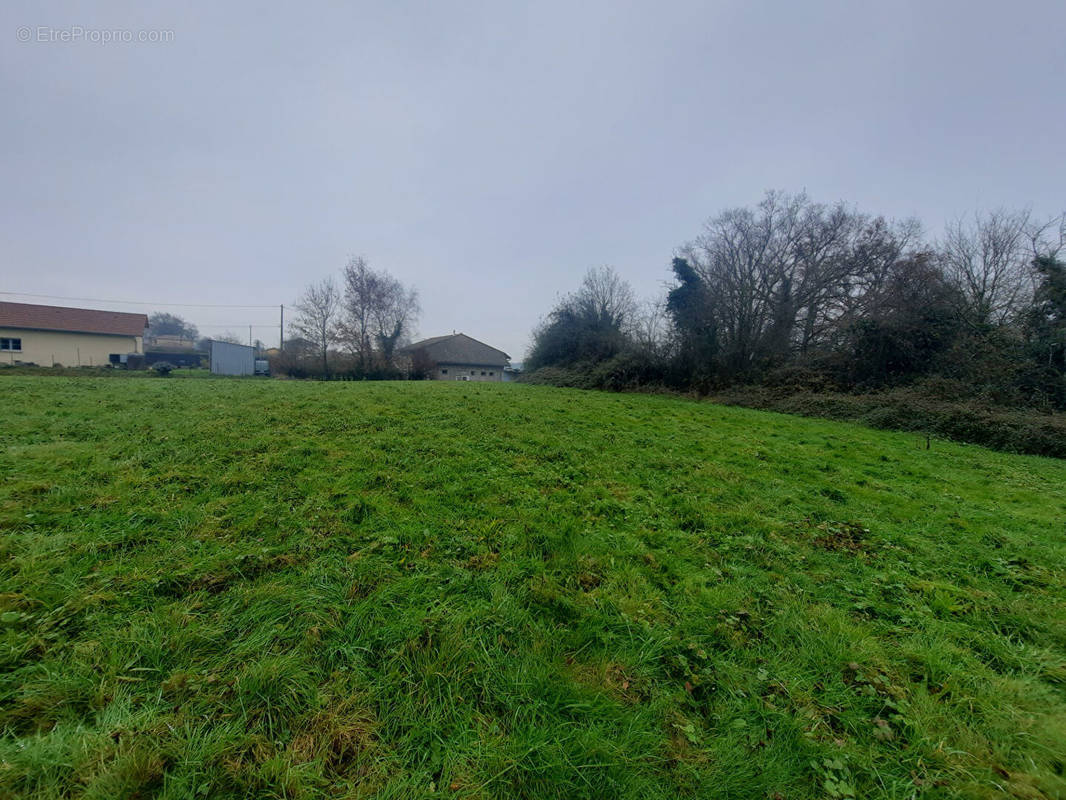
(444, 372)
(14, 345)
(491, 374)
(473, 372)
(482, 372)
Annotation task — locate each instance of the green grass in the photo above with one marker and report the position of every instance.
(215, 588)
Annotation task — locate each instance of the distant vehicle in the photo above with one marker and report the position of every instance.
(262, 366)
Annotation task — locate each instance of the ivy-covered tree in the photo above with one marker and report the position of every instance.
(589, 326)
(1047, 319)
(691, 309)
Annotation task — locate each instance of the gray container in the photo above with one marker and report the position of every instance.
(232, 359)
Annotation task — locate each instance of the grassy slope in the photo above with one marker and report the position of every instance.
(230, 588)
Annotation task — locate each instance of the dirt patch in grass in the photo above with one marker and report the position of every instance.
(850, 537)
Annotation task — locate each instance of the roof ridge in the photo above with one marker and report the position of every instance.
(468, 343)
(72, 308)
(33, 316)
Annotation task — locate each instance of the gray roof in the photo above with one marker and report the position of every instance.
(458, 348)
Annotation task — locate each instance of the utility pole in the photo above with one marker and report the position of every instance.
(249, 335)
(281, 336)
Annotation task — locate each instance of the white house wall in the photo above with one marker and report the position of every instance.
(66, 348)
(457, 372)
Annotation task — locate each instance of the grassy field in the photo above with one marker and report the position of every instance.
(255, 588)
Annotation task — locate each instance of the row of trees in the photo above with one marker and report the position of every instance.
(361, 321)
(356, 324)
(792, 286)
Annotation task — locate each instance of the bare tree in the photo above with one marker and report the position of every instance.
(605, 297)
(1056, 241)
(394, 315)
(316, 317)
(784, 277)
(873, 256)
(359, 291)
(990, 261)
(379, 312)
(650, 328)
(812, 277)
(745, 259)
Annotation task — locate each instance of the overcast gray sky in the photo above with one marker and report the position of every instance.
(490, 152)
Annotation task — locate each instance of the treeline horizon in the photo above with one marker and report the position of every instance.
(796, 293)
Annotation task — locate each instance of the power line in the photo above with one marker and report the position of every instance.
(236, 325)
(130, 302)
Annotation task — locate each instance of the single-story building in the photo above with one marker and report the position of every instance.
(456, 358)
(72, 337)
(170, 342)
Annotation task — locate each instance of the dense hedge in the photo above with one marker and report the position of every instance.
(911, 409)
(932, 407)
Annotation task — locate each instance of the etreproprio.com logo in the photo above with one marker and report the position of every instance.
(73, 34)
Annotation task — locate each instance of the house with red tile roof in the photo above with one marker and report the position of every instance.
(70, 337)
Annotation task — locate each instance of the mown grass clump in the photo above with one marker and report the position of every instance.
(220, 588)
